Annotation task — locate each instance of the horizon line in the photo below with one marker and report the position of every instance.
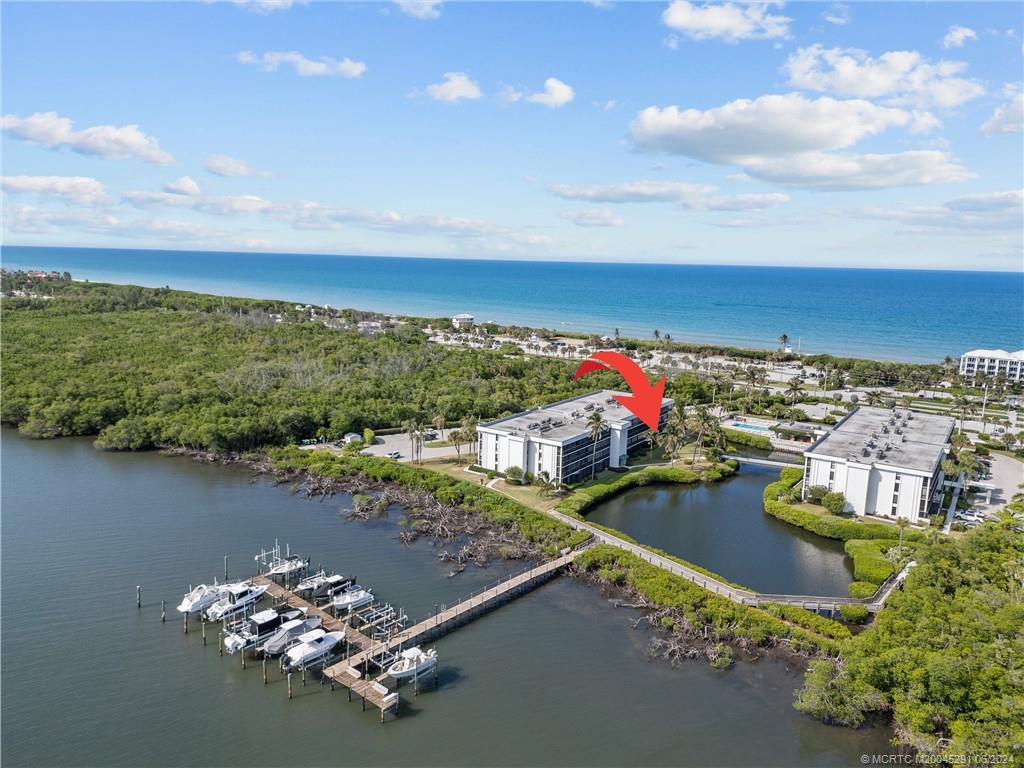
(510, 261)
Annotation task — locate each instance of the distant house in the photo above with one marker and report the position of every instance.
(352, 437)
(462, 321)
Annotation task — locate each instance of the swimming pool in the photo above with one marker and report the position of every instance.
(749, 427)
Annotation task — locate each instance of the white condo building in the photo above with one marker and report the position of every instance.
(556, 438)
(990, 362)
(887, 463)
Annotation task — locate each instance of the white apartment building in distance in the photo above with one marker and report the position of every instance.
(887, 463)
(556, 438)
(990, 362)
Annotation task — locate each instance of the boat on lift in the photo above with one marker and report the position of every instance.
(311, 582)
(202, 597)
(331, 586)
(413, 663)
(311, 647)
(287, 566)
(258, 627)
(289, 633)
(351, 598)
(238, 598)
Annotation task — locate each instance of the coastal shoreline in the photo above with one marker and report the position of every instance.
(741, 306)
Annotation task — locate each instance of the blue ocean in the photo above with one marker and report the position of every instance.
(884, 314)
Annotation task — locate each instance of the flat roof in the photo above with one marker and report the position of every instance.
(894, 437)
(1001, 353)
(567, 419)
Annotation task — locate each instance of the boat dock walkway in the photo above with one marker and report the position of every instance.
(352, 672)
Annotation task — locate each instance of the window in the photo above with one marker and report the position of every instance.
(831, 475)
(895, 495)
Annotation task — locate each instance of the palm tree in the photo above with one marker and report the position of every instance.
(439, 420)
(595, 428)
(962, 405)
(872, 397)
(466, 434)
(656, 334)
(700, 421)
(783, 341)
(794, 388)
(418, 442)
(546, 484)
(901, 523)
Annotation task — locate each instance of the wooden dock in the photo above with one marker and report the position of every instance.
(472, 606)
(352, 671)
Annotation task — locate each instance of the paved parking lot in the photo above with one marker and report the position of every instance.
(1007, 475)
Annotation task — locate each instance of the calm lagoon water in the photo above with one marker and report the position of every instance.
(722, 527)
(888, 314)
(556, 678)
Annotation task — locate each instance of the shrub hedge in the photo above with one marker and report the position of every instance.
(869, 564)
(808, 620)
(829, 526)
(739, 437)
(861, 589)
(855, 614)
(551, 535)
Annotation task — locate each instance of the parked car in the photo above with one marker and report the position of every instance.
(394, 455)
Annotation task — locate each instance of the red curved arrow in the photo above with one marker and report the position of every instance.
(645, 402)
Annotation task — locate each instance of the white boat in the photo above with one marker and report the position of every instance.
(311, 582)
(201, 598)
(311, 648)
(413, 663)
(258, 627)
(288, 634)
(352, 598)
(286, 566)
(238, 598)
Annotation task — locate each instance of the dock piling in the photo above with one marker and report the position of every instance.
(184, 623)
(138, 596)
(163, 611)
(289, 685)
(264, 669)
(225, 567)
(203, 623)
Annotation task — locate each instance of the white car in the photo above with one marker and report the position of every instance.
(394, 455)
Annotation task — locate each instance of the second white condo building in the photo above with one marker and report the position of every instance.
(992, 362)
(887, 463)
(556, 438)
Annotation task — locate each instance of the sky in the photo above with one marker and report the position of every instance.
(860, 134)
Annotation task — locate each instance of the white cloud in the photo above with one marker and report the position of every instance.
(79, 190)
(420, 9)
(838, 14)
(224, 165)
(671, 42)
(266, 6)
(633, 192)
(902, 77)
(982, 212)
(1008, 117)
(31, 220)
(211, 204)
(324, 66)
(116, 143)
(457, 86)
(604, 106)
(822, 170)
(555, 94)
(772, 125)
(691, 197)
(957, 36)
(183, 186)
(598, 217)
(783, 139)
(726, 21)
